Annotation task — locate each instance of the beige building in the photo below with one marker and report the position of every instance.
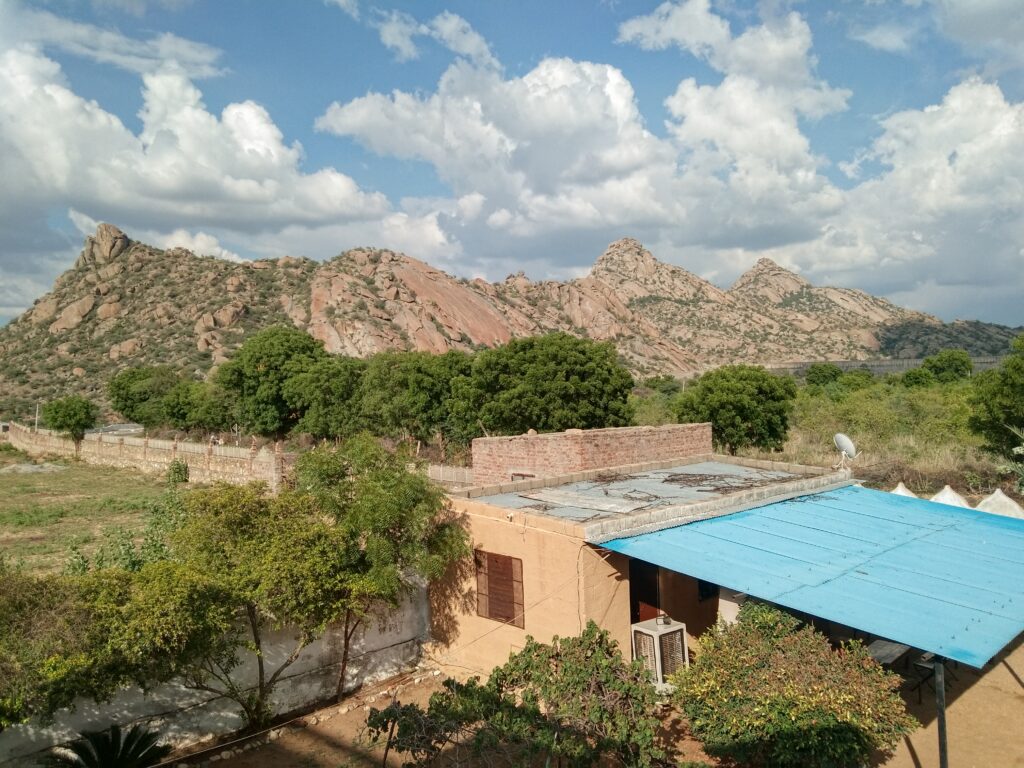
(543, 504)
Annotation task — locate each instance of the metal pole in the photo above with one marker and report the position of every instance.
(37, 418)
(940, 709)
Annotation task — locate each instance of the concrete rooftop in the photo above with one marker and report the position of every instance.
(607, 503)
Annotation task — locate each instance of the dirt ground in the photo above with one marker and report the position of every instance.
(985, 722)
(984, 718)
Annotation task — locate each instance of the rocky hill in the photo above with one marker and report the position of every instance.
(126, 303)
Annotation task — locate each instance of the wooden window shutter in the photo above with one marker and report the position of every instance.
(499, 588)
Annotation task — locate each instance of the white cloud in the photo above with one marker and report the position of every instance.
(199, 243)
(106, 46)
(992, 29)
(351, 7)
(891, 38)
(139, 7)
(398, 32)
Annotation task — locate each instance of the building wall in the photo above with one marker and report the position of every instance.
(497, 459)
(206, 462)
(183, 716)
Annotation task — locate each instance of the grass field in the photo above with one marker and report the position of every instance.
(44, 514)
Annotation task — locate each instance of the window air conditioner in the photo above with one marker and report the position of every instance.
(662, 647)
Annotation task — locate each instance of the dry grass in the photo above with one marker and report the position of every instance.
(43, 515)
(924, 467)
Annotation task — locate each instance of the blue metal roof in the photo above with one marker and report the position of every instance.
(939, 578)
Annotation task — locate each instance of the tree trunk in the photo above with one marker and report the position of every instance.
(351, 624)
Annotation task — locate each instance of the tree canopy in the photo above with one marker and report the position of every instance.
(998, 401)
(137, 393)
(72, 415)
(949, 365)
(327, 396)
(746, 405)
(548, 383)
(257, 373)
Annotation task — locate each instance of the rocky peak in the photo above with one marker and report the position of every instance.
(107, 244)
(626, 257)
(768, 280)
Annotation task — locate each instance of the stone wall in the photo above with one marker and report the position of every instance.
(184, 716)
(503, 459)
(206, 462)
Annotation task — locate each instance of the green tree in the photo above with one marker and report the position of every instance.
(72, 415)
(52, 648)
(137, 393)
(199, 405)
(408, 394)
(257, 373)
(327, 396)
(664, 384)
(949, 365)
(396, 526)
(746, 405)
(548, 383)
(575, 701)
(765, 691)
(998, 401)
(821, 374)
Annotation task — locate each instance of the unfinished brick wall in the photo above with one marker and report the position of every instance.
(498, 459)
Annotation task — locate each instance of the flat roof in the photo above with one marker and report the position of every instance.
(615, 493)
(940, 578)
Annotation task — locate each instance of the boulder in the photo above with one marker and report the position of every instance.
(125, 348)
(228, 314)
(73, 314)
(108, 310)
(107, 244)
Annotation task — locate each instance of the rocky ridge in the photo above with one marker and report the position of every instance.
(126, 303)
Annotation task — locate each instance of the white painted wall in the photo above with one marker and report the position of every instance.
(185, 717)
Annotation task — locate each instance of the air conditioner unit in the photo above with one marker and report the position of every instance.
(662, 647)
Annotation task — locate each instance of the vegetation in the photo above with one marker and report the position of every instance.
(766, 692)
(136, 748)
(746, 405)
(72, 415)
(575, 701)
(138, 393)
(949, 365)
(822, 374)
(998, 402)
(548, 383)
(327, 396)
(256, 376)
(217, 570)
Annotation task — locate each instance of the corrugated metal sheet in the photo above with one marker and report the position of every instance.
(939, 578)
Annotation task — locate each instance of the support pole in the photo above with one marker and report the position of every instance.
(940, 709)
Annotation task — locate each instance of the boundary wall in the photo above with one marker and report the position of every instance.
(185, 717)
(207, 462)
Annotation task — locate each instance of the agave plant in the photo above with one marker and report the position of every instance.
(137, 748)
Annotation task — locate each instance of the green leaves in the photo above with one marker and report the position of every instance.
(72, 414)
(575, 700)
(998, 401)
(765, 691)
(746, 405)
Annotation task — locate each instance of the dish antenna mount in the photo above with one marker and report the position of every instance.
(847, 450)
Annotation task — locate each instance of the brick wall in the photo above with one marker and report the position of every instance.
(206, 462)
(497, 459)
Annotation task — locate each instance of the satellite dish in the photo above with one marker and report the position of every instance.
(847, 450)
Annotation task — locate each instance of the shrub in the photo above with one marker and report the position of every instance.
(949, 365)
(136, 748)
(820, 374)
(177, 472)
(765, 691)
(918, 377)
(998, 402)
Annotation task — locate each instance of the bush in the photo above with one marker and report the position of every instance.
(766, 692)
(918, 377)
(136, 748)
(998, 402)
(177, 472)
(72, 415)
(949, 365)
(820, 374)
(746, 405)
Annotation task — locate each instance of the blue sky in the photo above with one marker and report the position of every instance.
(877, 145)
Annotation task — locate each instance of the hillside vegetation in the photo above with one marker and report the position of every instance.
(125, 303)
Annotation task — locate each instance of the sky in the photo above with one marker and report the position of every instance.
(862, 143)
